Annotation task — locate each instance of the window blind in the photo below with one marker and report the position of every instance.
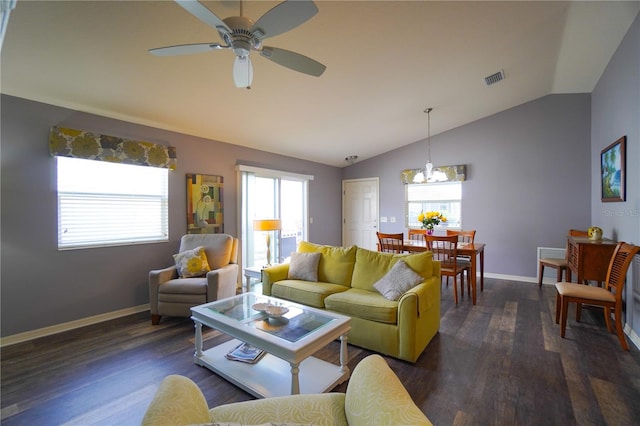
(102, 203)
(445, 198)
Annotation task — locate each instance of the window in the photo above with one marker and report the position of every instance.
(104, 204)
(272, 194)
(443, 197)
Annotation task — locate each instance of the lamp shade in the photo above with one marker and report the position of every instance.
(267, 225)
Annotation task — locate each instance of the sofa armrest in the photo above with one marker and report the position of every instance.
(273, 274)
(316, 409)
(156, 278)
(375, 396)
(178, 401)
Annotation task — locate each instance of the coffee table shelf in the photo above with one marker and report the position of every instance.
(288, 367)
(271, 376)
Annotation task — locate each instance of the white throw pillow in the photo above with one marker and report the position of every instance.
(397, 281)
(304, 266)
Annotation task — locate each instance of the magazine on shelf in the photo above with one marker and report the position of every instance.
(244, 352)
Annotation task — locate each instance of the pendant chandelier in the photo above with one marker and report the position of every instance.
(428, 168)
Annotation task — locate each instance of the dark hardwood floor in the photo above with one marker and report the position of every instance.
(501, 362)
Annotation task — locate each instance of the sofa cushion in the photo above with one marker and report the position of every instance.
(397, 281)
(336, 263)
(372, 266)
(317, 409)
(369, 305)
(184, 286)
(421, 263)
(304, 266)
(192, 263)
(305, 292)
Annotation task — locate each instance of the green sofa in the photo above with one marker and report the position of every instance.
(346, 276)
(374, 396)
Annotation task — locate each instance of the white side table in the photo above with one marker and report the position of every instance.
(251, 272)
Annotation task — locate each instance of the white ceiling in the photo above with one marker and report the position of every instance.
(386, 62)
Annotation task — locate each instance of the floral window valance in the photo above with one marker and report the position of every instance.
(438, 174)
(66, 142)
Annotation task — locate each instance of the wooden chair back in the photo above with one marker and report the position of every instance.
(463, 236)
(617, 273)
(390, 243)
(445, 250)
(417, 234)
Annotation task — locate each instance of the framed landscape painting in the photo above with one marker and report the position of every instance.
(613, 171)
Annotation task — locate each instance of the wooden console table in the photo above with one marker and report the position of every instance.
(588, 259)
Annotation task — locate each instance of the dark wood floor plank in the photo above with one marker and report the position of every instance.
(500, 362)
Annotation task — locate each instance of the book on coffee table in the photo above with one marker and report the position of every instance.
(244, 352)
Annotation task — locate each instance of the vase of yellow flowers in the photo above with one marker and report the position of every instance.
(431, 219)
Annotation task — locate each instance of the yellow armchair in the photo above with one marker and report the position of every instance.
(375, 396)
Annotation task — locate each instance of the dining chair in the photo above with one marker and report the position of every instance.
(463, 236)
(417, 234)
(467, 237)
(445, 250)
(561, 264)
(391, 243)
(609, 297)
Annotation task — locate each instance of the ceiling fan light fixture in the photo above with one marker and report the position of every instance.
(243, 35)
(242, 72)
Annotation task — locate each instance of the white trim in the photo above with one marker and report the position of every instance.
(635, 339)
(273, 172)
(71, 325)
(509, 277)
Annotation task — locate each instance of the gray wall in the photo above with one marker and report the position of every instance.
(615, 108)
(528, 174)
(42, 286)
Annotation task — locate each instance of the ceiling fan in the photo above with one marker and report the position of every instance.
(242, 35)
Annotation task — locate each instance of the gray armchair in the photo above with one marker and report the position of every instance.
(171, 295)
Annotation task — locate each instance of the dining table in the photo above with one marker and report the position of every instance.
(473, 250)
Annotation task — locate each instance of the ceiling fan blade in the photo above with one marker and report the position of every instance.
(198, 10)
(293, 60)
(284, 17)
(185, 49)
(242, 71)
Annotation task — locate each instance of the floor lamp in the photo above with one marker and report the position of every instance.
(267, 225)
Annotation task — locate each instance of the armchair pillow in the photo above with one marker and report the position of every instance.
(397, 281)
(192, 263)
(304, 266)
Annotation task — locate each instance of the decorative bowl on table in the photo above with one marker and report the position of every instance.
(276, 312)
(260, 307)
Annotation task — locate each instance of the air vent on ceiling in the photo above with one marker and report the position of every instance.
(494, 78)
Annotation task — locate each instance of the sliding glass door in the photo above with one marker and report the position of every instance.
(272, 194)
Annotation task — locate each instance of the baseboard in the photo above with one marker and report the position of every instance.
(510, 277)
(58, 328)
(635, 339)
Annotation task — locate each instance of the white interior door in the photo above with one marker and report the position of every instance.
(360, 213)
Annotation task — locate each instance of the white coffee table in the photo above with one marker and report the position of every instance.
(288, 367)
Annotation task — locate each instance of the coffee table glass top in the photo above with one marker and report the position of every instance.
(292, 325)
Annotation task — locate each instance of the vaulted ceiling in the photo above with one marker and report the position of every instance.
(386, 62)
